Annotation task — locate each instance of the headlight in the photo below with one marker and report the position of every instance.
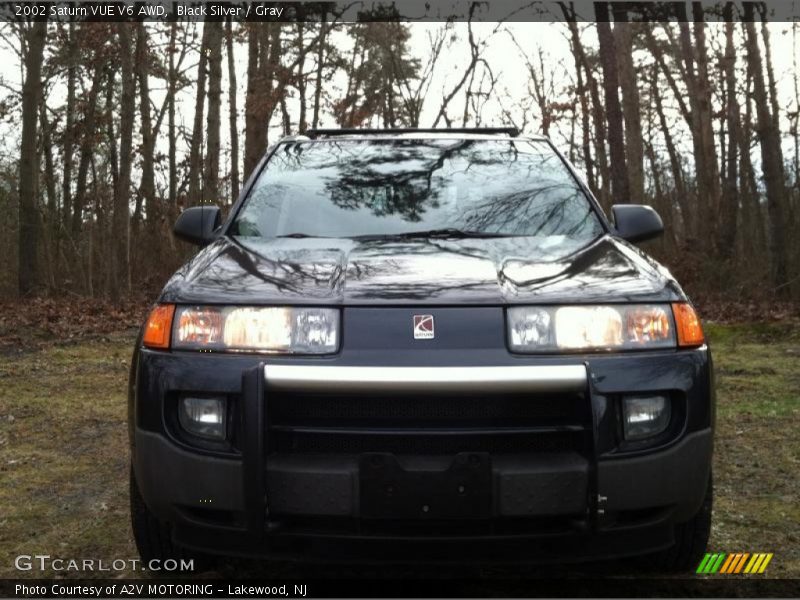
(535, 329)
(257, 329)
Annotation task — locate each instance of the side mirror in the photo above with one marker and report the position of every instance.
(636, 222)
(197, 224)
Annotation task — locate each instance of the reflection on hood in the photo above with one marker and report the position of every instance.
(546, 269)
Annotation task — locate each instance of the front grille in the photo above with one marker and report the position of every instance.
(402, 410)
(426, 424)
(423, 442)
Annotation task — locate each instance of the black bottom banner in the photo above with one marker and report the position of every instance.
(395, 588)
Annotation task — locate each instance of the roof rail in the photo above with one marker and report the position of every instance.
(315, 133)
(301, 137)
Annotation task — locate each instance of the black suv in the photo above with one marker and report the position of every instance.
(431, 342)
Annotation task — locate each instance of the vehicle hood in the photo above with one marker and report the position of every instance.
(495, 271)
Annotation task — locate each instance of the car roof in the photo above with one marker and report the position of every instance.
(399, 134)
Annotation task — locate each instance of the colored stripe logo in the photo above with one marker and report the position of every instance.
(737, 562)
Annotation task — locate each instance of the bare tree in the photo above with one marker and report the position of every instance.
(264, 46)
(772, 160)
(582, 92)
(676, 166)
(475, 58)
(730, 192)
(69, 127)
(172, 136)
(623, 39)
(616, 143)
(323, 33)
(29, 219)
(541, 84)
(120, 280)
(147, 189)
(211, 172)
(597, 109)
(232, 115)
(195, 148)
(670, 114)
(695, 65)
(267, 80)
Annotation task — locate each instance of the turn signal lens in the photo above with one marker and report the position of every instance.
(646, 324)
(158, 327)
(200, 326)
(690, 331)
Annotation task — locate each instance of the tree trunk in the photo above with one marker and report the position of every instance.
(211, 173)
(50, 229)
(773, 93)
(69, 126)
(616, 142)
(266, 81)
(577, 53)
(706, 168)
(195, 148)
(111, 135)
(603, 176)
(634, 150)
(232, 116)
(302, 125)
(320, 65)
(87, 147)
(752, 233)
(658, 55)
(730, 207)
(255, 130)
(99, 230)
(49, 168)
(29, 220)
(147, 189)
(127, 110)
(172, 141)
(674, 160)
(796, 120)
(101, 249)
(285, 118)
(772, 161)
(776, 113)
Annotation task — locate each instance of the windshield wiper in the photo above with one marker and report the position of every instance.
(444, 232)
(298, 236)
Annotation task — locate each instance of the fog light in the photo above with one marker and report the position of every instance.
(203, 417)
(644, 416)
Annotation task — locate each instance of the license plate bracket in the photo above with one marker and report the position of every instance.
(388, 490)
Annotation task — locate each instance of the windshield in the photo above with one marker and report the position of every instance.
(363, 188)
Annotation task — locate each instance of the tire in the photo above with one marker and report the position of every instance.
(691, 540)
(154, 537)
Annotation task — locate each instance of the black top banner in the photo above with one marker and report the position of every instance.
(406, 10)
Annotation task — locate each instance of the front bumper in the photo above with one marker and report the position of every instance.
(560, 504)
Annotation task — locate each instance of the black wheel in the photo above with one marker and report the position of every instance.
(153, 537)
(691, 539)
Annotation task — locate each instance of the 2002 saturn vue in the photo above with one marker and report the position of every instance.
(432, 343)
